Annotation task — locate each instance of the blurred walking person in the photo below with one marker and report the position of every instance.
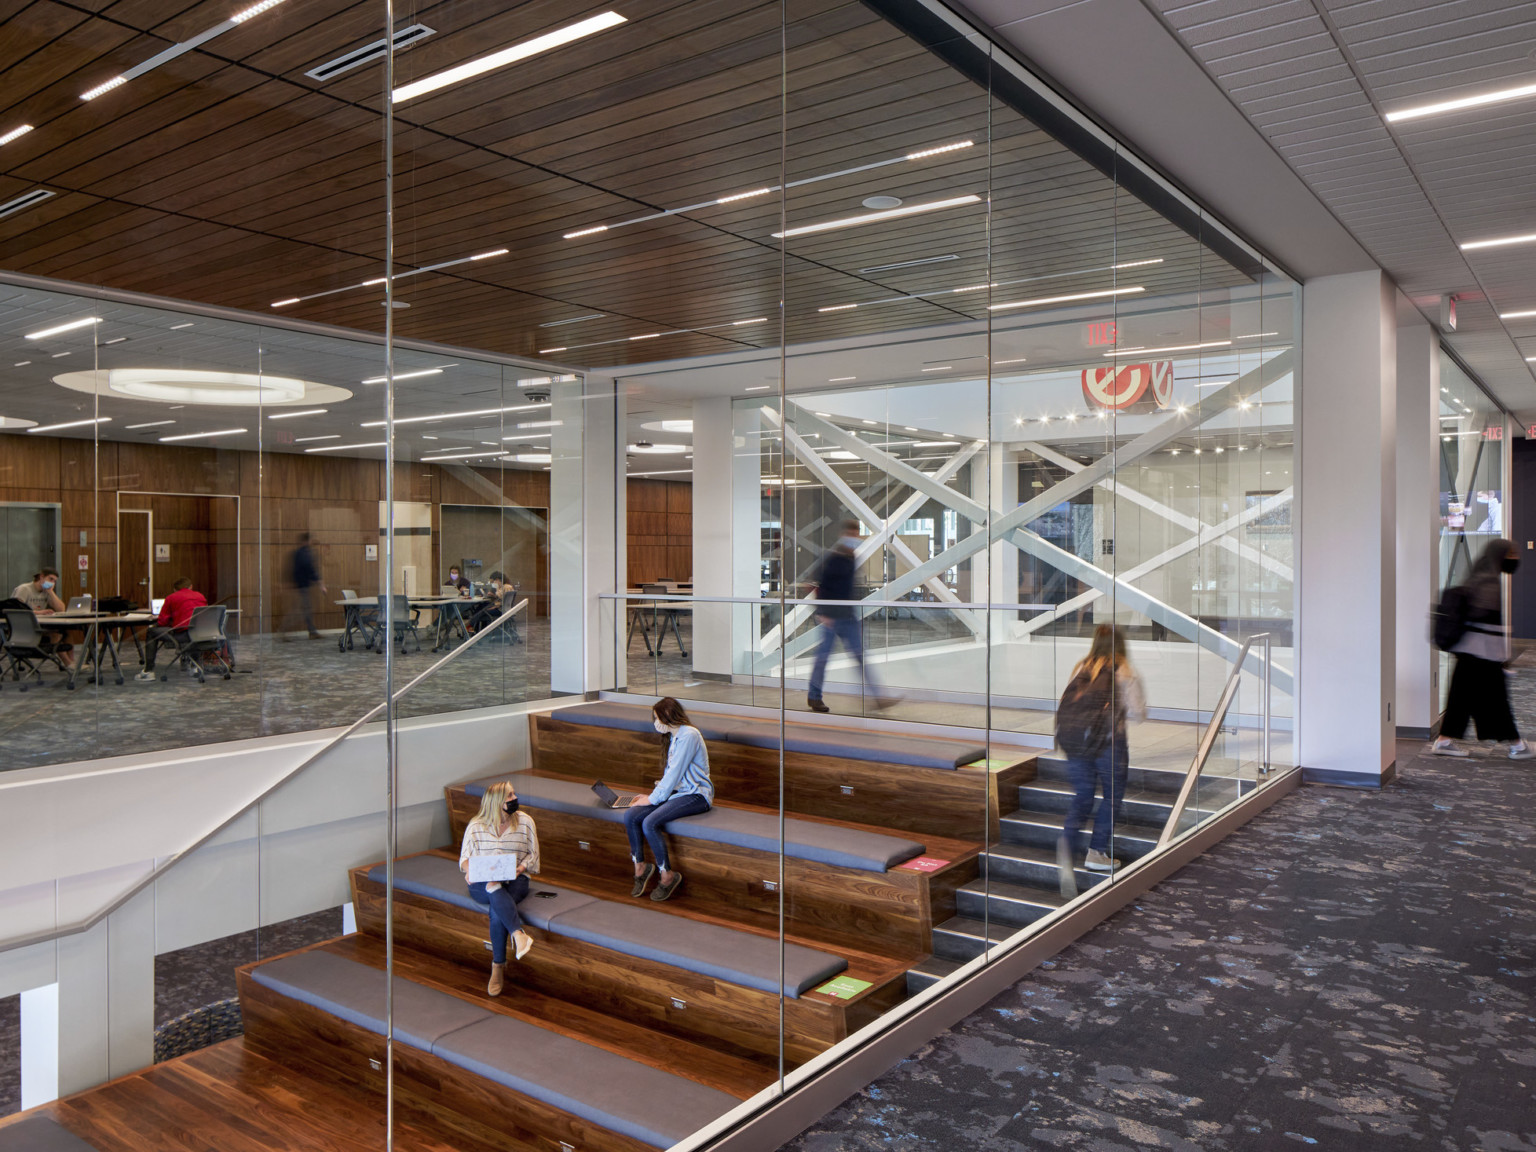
(304, 573)
(834, 581)
(1471, 625)
(1103, 693)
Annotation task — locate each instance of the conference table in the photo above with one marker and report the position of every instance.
(663, 612)
(100, 639)
(450, 618)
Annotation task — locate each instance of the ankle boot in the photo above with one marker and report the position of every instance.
(498, 979)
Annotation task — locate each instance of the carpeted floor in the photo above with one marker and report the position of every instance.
(1350, 971)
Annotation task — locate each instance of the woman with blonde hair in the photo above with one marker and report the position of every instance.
(1090, 728)
(499, 828)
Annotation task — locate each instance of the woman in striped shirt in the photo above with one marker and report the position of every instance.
(684, 790)
(497, 829)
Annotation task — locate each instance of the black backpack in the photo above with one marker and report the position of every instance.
(1085, 716)
(1450, 618)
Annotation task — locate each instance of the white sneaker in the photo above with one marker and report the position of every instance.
(146, 677)
(1520, 750)
(1444, 747)
(1100, 862)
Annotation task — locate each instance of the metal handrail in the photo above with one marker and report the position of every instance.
(774, 601)
(1213, 729)
(89, 922)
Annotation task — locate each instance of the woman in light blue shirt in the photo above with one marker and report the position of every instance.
(684, 790)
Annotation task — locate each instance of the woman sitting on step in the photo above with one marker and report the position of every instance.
(499, 829)
(684, 790)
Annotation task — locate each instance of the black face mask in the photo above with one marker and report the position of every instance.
(510, 807)
(1510, 563)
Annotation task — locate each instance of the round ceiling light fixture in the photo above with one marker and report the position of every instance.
(684, 426)
(647, 448)
(192, 386)
(878, 203)
(10, 422)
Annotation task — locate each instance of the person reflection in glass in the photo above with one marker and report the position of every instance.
(834, 581)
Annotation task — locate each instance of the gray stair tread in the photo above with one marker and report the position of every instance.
(1011, 890)
(936, 967)
(1125, 828)
(992, 930)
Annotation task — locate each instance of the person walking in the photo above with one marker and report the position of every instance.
(1103, 693)
(304, 573)
(834, 581)
(1479, 689)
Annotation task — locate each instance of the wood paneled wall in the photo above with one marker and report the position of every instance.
(660, 531)
(281, 496)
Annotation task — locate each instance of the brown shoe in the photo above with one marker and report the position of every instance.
(498, 979)
(817, 706)
(665, 889)
(524, 943)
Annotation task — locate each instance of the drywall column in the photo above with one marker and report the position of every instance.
(585, 540)
(1003, 497)
(1347, 478)
(1418, 526)
(746, 526)
(713, 510)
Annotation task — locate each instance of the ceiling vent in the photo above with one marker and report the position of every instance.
(368, 53)
(36, 196)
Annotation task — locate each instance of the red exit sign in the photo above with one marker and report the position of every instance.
(1493, 432)
(1102, 335)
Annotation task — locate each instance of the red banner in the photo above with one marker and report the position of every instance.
(1129, 387)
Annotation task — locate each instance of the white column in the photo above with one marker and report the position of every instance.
(1347, 478)
(713, 558)
(584, 538)
(746, 528)
(1418, 524)
(1003, 496)
(39, 1045)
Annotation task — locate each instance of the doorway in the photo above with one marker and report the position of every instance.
(29, 540)
(135, 540)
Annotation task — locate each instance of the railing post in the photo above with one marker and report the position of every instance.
(1268, 692)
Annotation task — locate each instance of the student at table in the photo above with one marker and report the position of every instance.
(39, 595)
(462, 583)
(175, 616)
(498, 591)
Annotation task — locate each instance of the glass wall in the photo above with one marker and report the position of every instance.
(440, 396)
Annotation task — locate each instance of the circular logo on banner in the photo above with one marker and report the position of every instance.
(1138, 386)
(1162, 383)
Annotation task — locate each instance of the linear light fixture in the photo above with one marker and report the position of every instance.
(291, 415)
(530, 458)
(731, 199)
(1172, 348)
(408, 375)
(174, 327)
(840, 379)
(647, 336)
(1501, 242)
(1497, 97)
(758, 388)
(71, 424)
(1526, 315)
(492, 252)
(344, 447)
(653, 335)
(471, 68)
(179, 49)
(758, 320)
(528, 436)
(585, 232)
(285, 303)
(1015, 360)
(25, 200)
(114, 340)
(905, 264)
(201, 435)
(24, 363)
(837, 308)
(369, 52)
(1254, 335)
(939, 368)
(456, 415)
(312, 439)
(1075, 296)
(473, 452)
(542, 424)
(666, 472)
(15, 134)
(874, 217)
(547, 351)
(573, 320)
(43, 333)
(939, 150)
(151, 424)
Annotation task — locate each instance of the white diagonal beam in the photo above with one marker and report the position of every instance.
(1206, 535)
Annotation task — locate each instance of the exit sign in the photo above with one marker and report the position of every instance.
(1102, 335)
(1493, 432)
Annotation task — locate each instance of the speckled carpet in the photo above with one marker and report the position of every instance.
(1351, 971)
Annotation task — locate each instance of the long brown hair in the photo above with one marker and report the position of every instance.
(670, 712)
(1106, 651)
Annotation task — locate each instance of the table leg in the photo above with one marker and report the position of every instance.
(110, 643)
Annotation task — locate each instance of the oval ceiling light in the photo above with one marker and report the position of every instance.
(645, 447)
(190, 386)
(669, 426)
(7, 422)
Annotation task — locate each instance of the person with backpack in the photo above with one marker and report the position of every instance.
(1103, 693)
(1470, 624)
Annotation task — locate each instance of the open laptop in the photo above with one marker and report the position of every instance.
(156, 605)
(78, 606)
(613, 800)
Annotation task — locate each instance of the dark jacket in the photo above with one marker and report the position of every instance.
(303, 569)
(835, 582)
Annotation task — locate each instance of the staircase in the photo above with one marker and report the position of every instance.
(1019, 882)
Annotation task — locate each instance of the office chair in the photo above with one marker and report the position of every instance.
(204, 636)
(364, 616)
(24, 647)
(402, 622)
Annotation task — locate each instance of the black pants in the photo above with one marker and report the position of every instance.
(1478, 692)
(153, 640)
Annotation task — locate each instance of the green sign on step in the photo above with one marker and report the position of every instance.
(844, 987)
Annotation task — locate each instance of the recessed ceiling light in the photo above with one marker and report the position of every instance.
(312, 439)
(530, 458)
(71, 424)
(456, 415)
(506, 56)
(1528, 360)
(114, 340)
(344, 447)
(939, 368)
(26, 200)
(21, 364)
(541, 423)
(841, 379)
(291, 415)
(758, 388)
(407, 375)
(880, 203)
(547, 351)
(187, 386)
(666, 472)
(758, 320)
(174, 327)
(684, 426)
(743, 195)
(201, 435)
(906, 264)
(284, 303)
(573, 320)
(1254, 335)
(15, 134)
(151, 424)
(837, 308)
(471, 453)
(873, 217)
(647, 448)
(1173, 348)
(523, 436)
(939, 150)
(1464, 102)
(43, 333)
(491, 253)
(1016, 360)
(1517, 315)
(1065, 299)
(585, 232)
(368, 53)
(56, 355)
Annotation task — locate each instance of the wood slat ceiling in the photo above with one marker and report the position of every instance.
(228, 176)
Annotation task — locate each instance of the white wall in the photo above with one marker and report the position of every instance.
(1347, 615)
(713, 454)
(1418, 522)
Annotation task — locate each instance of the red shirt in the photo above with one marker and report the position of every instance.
(176, 612)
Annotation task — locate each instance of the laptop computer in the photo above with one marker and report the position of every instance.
(155, 605)
(613, 800)
(78, 606)
(500, 866)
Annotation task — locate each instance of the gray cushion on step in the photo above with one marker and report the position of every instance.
(355, 992)
(603, 1087)
(635, 718)
(804, 840)
(438, 878)
(708, 949)
(856, 744)
(40, 1134)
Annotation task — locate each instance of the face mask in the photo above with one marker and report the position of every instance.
(511, 807)
(1509, 565)
(47, 584)
(850, 542)
(659, 726)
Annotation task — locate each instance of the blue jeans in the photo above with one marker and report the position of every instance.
(504, 918)
(652, 820)
(851, 631)
(1107, 772)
